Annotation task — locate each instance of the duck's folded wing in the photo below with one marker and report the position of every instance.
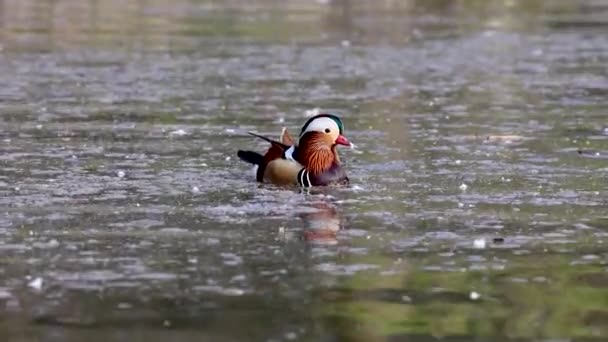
(276, 151)
(283, 172)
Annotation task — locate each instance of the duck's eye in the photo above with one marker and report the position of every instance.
(327, 130)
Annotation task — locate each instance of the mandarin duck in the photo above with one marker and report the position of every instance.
(311, 161)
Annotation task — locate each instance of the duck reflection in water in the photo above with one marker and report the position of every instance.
(321, 226)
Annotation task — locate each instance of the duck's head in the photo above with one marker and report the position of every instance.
(327, 128)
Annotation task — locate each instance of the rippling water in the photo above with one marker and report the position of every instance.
(477, 208)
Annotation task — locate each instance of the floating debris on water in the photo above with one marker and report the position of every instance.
(474, 295)
(121, 174)
(178, 132)
(5, 294)
(53, 243)
(479, 243)
(312, 112)
(498, 240)
(505, 139)
(124, 306)
(227, 291)
(36, 283)
(463, 187)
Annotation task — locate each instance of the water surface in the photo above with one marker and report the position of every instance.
(477, 209)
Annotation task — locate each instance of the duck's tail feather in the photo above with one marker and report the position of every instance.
(273, 142)
(251, 157)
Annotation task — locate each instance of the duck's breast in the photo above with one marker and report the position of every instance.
(334, 175)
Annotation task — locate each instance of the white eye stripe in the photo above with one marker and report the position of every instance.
(321, 124)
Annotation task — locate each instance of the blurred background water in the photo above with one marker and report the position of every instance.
(477, 209)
